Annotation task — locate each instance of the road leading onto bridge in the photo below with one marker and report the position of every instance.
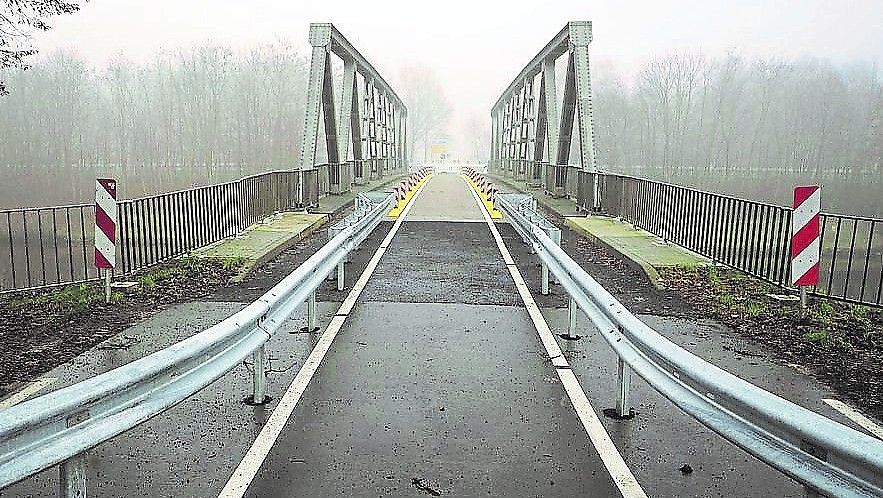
(437, 382)
(446, 197)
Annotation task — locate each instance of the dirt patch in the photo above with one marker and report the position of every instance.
(838, 343)
(43, 329)
(40, 330)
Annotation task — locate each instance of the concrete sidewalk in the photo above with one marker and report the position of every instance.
(267, 238)
(264, 240)
(638, 248)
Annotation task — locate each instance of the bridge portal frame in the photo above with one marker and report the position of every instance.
(532, 140)
(371, 128)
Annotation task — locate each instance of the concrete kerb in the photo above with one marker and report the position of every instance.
(632, 260)
(284, 243)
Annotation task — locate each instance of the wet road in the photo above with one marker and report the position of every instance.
(427, 391)
(437, 382)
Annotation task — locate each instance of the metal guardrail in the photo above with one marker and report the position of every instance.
(825, 456)
(47, 246)
(59, 427)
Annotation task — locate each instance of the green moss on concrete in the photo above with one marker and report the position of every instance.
(264, 240)
(638, 248)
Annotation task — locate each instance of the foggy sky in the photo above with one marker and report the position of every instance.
(477, 47)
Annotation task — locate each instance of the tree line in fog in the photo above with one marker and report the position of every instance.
(732, 114)
(211, 106)
(203, 107)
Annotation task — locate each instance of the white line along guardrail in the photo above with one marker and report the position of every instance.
(59, 427)
(825, 456)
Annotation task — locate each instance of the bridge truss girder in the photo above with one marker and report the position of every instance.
(370, 126)
(531, 133)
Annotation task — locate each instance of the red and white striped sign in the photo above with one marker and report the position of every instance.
(805, 239)
(105, 222)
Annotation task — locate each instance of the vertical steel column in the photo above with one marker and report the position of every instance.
(580, 38)
(345, 122)
(320, 40)
(551, 118)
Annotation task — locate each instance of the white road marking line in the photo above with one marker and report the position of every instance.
(28, 391)
(856, 416)
(251, 463)
(620, 473)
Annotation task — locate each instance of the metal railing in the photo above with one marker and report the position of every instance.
(57, 428)
(42, 247)
(752, 236)
(824, 455)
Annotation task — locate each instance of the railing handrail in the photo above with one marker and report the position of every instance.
(724, 196)
(50, 429)
(756, 420)
(143, 197)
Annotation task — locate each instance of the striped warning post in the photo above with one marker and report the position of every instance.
(805, 240)
(105, 222)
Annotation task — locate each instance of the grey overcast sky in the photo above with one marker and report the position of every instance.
(477, 47)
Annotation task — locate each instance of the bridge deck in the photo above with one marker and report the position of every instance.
(426, 389)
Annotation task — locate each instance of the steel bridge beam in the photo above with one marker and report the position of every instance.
(528, 128)
(375, 130)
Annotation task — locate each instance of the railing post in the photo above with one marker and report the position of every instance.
(259, 377)
(340, 282)
(622, 404)
(72, 477)
(544, 290)
(312, 318)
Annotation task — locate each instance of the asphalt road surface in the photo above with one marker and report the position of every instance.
(436, 381)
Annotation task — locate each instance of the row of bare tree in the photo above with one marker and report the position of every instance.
(204, 107)
(688, 113)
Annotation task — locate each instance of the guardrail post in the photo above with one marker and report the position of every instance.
(571, 317)
(340, 286)
(544, 290)
(259, 377)
(625, 380)
(819, 453)
(312, 318)
(72, 477)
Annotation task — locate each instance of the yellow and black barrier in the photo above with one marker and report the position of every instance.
(406, 189)
(485, 189)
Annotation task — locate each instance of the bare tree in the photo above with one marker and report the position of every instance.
(18, 19)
